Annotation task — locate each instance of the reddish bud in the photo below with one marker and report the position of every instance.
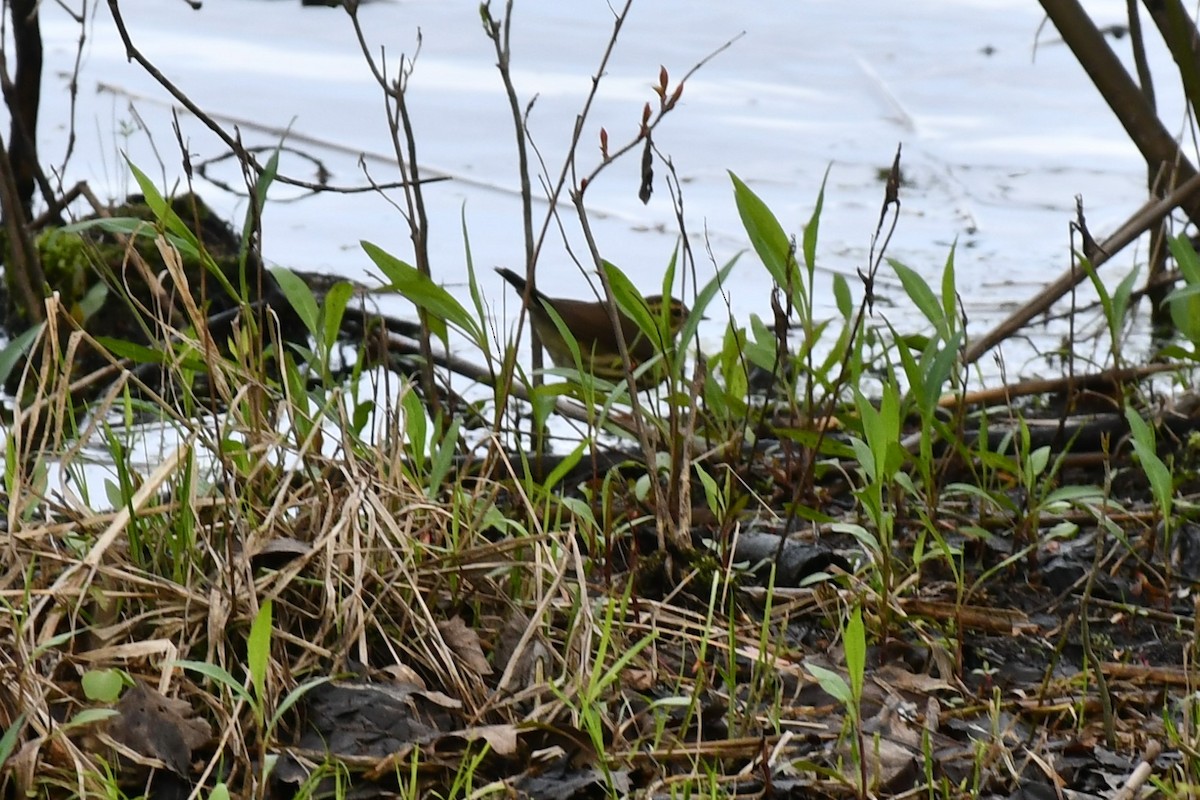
(646, 115)
(662, 79)
(675, 95)
(604, 143)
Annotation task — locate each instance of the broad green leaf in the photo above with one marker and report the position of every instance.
(416, 427)
(301, 297)
(334, 309)
(865, 456)
(443, 458)
(295, 695)
(89, 716)
(141, 354)
(919, 292)
(159, 206)
(703, 298)
(766, 234)
(424, 293)
(135, 226)
(1039, 459)
(1075, 494)
(833, 683)
(102, 685)
(1186, 258)
(841, 293)
(629, 300)
(712, 492)
(854, 642)
(254, 210)
(1145, 446)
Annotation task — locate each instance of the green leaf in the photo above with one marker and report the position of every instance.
(832, 683)
(949, 294)
(1146, 448)
(137, 227)
(89, 716)
(1074, 494)
(254, 210)
(424, 293)
(712, 492)
(102, 685)
(1184, 302)
(160, 207)
(629, 300)
(12, 353)
(703, 298)
(443, 458)
(218, 674)
(1186, 258)
(854, 642)
(766, 234)
(813, 228)
(93, 300)
(294, 696)
(8, 742)
(137, 353)
(334, 309)
(1039, 459)
(1122, 295)
(865, 457)
(920, 293)
(258, 650)
(301, 297)
(564, 466)
(841, 292)
(416, 427)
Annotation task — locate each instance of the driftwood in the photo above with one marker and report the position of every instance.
(1134, 110)
(1143, 220)
(1106, 382)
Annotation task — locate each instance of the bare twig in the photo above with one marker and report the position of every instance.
(500, 35)
(230, 140)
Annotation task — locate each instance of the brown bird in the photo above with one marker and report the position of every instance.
(590, 324)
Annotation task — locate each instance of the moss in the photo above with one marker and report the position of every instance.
(66, 264)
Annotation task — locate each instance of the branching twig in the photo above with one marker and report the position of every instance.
(230, 141)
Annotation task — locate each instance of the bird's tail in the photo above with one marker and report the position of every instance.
(518, 282)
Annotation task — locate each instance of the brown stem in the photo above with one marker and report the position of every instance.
(24, 271)
(418, 222)
(232, 142)
(1124, 97)
(499, 33)
(23, 100)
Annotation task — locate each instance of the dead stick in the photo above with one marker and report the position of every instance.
(1141, 773)
(1145, 218)
(1095, 381)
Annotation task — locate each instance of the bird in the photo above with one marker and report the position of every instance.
(590, 324)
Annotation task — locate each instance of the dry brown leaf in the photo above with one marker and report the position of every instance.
(465, 644)
(157, 726)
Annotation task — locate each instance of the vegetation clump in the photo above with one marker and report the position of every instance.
(812, 564)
